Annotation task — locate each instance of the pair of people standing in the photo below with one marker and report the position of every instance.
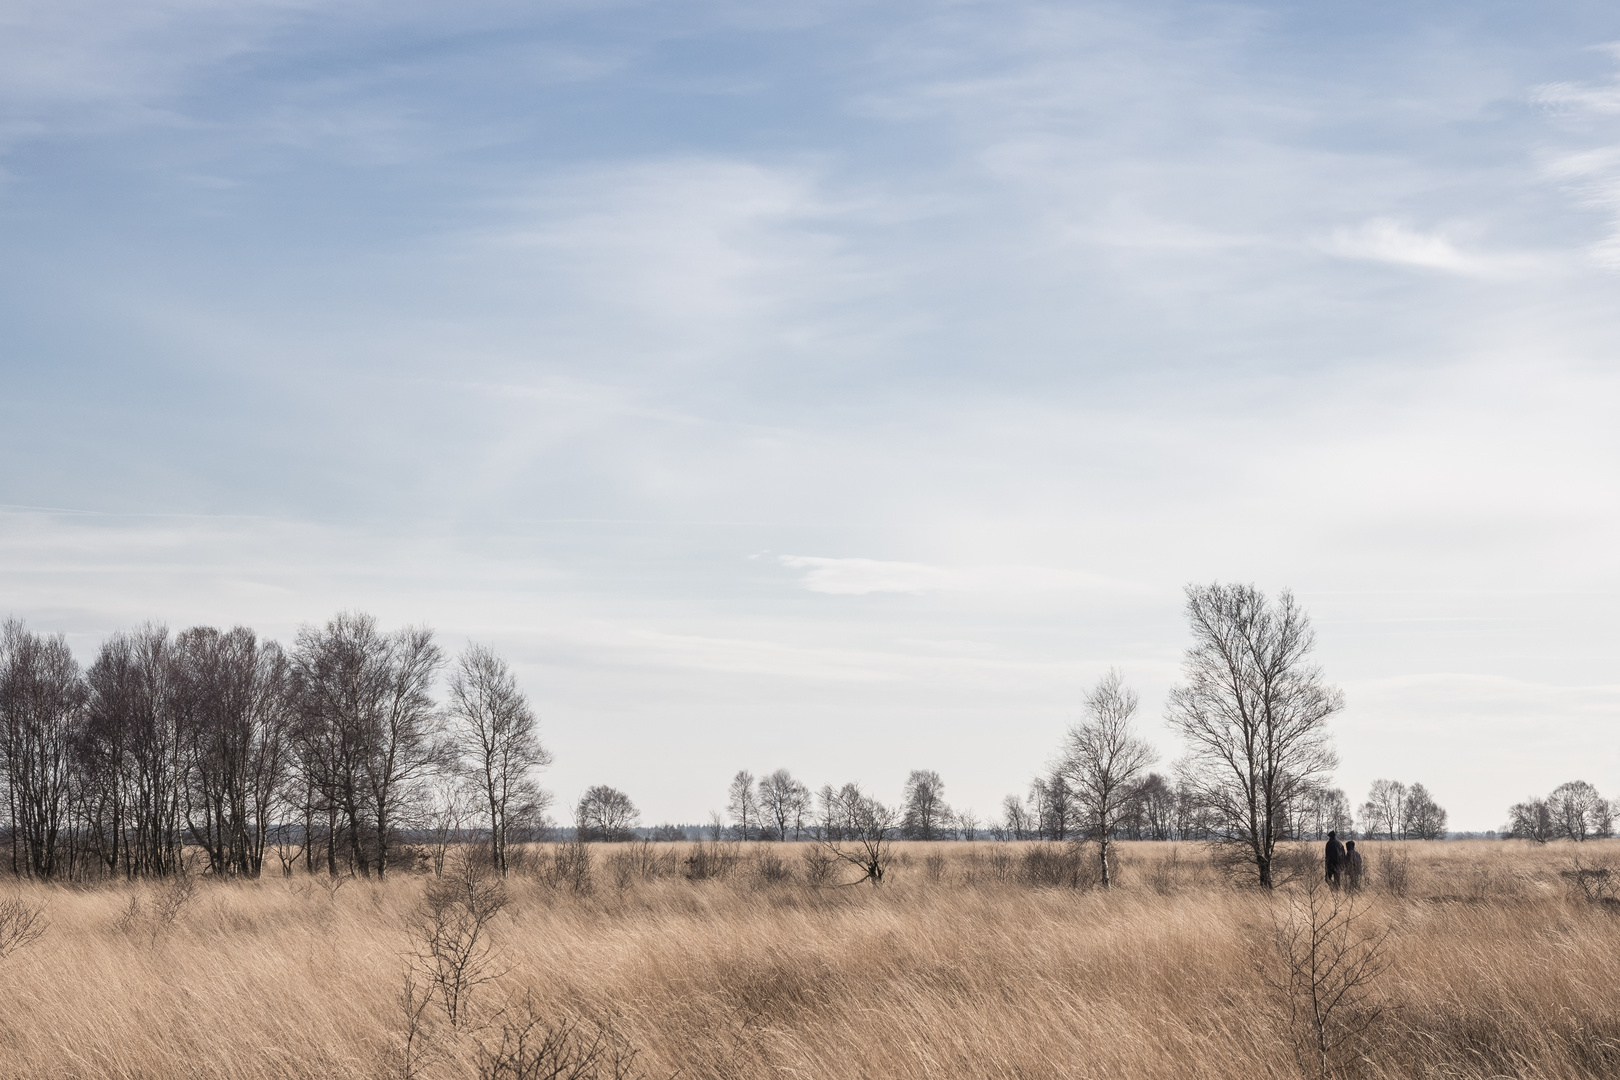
(1343, 863)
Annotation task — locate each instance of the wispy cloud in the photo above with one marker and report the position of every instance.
(1388, 241)
(859, 577)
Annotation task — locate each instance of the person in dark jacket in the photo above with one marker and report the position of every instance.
(1352, 866)
(1335, 859)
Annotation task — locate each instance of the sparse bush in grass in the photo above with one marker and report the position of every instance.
(21, 924)
(818, 866)
(710, 860)
(569, 868)
(1326, 955)
(1394, 870)
(453, 953)
(1059, 866)
(528, 1044)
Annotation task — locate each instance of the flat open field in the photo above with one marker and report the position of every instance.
(959, 966)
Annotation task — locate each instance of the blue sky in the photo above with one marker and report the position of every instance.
(845, 386)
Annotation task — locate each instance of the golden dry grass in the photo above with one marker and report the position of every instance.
(1496, 970)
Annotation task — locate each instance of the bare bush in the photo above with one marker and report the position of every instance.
(532, 1046)
(818, 866)
(710, 860)
(1325, 958)
(640, 860)
(860, 831)
(21, 924)
(1592, 884)
(771, 868)
(1059, 866)
(453, 953)
(1394, 871)
(569, 868)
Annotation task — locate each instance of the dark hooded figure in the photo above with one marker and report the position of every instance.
(1335, 859)
(1352, 866)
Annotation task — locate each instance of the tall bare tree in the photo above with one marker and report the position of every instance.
(132, 746)
(1054, 805)
(1103, 760)
(234, 715)
(369, 715)
(1424, 818)
(42, 696)
(783, 803)
(1577, 810)
(1531, 820)
(742, 803)
(1384, 812)
(1158, 801)
(925, 815)
(497, 743)
(1253, 711)
(1016, 818)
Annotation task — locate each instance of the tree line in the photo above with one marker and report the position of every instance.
(326, 754)
(332, 754)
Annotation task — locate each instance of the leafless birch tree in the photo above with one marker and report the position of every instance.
(1254, 713)
(498, 743)
(1103, 759)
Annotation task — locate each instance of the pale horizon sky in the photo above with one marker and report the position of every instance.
(842, 388)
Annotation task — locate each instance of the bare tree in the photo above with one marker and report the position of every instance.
(781, 804)
(925, 811)
(131, 750)
(1254, 713)
(1384, 812)
(743, 804)
(1054, 805)
(1016, 819)
(497, 743)
(858, 831)
(1530, 820)
(1424, 818)
(1576, 809)
(371, 719)
(967, 823)
(605, 813)
(41, 699)
(1157, 798)
(1322, 810)
(233, 709)
(1103, 759)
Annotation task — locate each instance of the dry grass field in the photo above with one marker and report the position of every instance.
(960, 965)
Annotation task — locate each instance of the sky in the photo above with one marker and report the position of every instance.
(842, 387)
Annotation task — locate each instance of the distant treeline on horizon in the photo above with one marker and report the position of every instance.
(338, 755)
